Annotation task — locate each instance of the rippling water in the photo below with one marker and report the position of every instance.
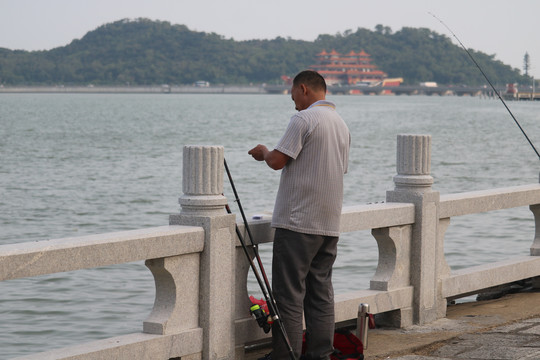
(76, 164)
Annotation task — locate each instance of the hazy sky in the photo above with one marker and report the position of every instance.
(505, 28)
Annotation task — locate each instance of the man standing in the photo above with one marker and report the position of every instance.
(313, 155)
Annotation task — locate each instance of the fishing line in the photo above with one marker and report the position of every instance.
(489, 82)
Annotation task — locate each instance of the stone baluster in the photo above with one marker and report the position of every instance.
(204, 205)
(393, 270)
(535, 248)
(413, 185)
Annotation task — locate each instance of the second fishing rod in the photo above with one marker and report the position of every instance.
(259, 272)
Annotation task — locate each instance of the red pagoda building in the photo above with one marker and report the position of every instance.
(350, 69)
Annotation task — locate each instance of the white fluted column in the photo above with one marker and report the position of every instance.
(202, 180)
(413, 162)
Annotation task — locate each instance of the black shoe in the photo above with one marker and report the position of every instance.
(266, 357)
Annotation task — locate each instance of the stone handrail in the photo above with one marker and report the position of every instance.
(174, 318)
(61, 255)
(201, 272)
(488, 200)
(474, 279)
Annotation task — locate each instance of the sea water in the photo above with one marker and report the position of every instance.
(78, 164)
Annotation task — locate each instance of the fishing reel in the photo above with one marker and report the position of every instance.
(263, 319)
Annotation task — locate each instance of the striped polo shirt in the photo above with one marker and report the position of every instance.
(310, 194)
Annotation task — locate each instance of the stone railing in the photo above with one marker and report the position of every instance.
(201, 272)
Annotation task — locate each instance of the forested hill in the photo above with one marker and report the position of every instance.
(145, 52)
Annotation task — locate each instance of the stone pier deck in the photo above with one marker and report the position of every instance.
(504, 328)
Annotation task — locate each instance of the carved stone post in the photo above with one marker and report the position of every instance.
(535, 248)
(413, 185)
(204, 205)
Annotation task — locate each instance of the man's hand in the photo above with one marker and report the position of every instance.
(275, 159)
(258, 152)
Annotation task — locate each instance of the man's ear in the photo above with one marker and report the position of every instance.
(304, 89)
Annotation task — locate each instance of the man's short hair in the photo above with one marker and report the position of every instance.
(311, 79)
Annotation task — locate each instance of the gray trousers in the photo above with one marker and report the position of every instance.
(302, 284)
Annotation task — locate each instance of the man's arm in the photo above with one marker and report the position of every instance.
(275, 159)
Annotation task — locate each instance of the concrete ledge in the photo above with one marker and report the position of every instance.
(353, 218)
(261, 230)
(130, 347)
(487, 200)
(379, 302)
(474, 279)
(67, 254)
(373, 216)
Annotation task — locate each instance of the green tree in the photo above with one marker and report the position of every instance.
(145, 52)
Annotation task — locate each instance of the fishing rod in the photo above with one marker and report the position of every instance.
(263, 282)
(489, 82)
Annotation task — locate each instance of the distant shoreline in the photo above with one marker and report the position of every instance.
(164, 89)
(441, 90)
